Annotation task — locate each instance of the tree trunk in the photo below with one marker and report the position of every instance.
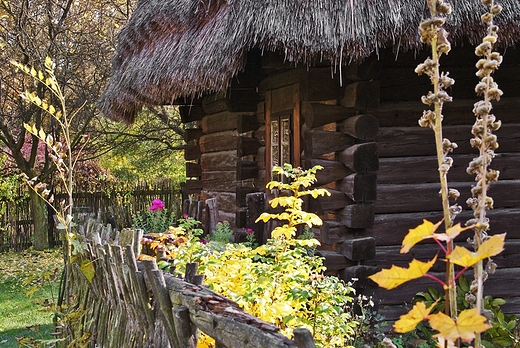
(41, 225)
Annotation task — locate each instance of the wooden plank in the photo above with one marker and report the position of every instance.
(423, 169)
(363, 127)
(417, 141)
(424, 197)
(296, 126)
(319, 114)
(220, 141)
(211, 215)
(361, 273)
(361, 95)
(256, 204)
(360, 187)
(361, 158)
(332, 170)
(223, 160)
(319, 142)
(243, 99)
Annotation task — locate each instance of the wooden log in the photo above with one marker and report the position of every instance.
(390, 229)
(318, 142)
(333, 260)
(318, 114)
(247, 123)
(423, 197)
(423, 169)
(211, 214)
(361, 273)
(215, 103)
(216, 161)
(191, 113)
(219, 141)
(364, 127)
(362, 95)
(243, 99)
(246, 170)
(193, 186)
(324, 204)
(193, 170)
(241, 192)
(192, 134)
(222, 121)
(369, 69)
(226, 201)
(219, 181)
(256, 205)
(332, 170)
(360, 215)
(360, 187)
(247, 146)
(192, 152)
(361, 158)
(332, 232)
(358, 249)
(417, 141)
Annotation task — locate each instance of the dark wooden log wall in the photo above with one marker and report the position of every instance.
(407, 180)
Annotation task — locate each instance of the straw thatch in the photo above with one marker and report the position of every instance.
(182, 48)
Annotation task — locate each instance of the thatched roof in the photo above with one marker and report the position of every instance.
(182, 48)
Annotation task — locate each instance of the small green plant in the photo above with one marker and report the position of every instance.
(157, 219)
(222, 233)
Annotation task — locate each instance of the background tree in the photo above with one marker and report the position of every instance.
(80, 37)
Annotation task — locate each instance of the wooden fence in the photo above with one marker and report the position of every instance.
(132, 303)
(115, 207)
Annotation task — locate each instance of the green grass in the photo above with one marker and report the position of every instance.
(19, 315)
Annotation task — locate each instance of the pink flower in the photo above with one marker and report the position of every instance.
(249, 230)
(157, 204)
(184, 216)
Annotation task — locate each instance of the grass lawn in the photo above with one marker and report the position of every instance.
(19, 316)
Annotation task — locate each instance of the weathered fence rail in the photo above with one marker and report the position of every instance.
(131, 303)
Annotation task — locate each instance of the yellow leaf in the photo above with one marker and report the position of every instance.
(41, 134)
(395, 276)
(451, 233)
(491, 247)
(32, 290)
(415, 235)
(468, 323)
(34, 73)
(87, 268)
(40, 75)
(408, 322)
(52, 110)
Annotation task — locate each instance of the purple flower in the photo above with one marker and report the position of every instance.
(157, 204)
(249, 230)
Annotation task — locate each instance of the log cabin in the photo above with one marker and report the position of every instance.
(262, 82)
